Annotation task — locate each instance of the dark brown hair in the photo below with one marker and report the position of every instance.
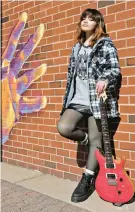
(100, 29)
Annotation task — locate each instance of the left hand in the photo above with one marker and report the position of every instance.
(100, 87)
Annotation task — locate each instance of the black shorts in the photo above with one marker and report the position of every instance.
(83, 109)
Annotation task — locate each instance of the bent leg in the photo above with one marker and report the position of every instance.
(67, 125)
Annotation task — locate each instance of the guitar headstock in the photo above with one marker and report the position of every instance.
(103, 95)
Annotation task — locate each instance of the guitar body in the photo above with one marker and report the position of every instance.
(118, 190)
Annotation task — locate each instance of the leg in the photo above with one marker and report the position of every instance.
(95, 139)
(67, 125)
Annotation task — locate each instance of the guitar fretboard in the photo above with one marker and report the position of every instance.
(105, 131)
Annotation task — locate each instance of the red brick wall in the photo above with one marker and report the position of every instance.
(34, 142)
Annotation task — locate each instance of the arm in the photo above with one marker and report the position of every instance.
(111, 72)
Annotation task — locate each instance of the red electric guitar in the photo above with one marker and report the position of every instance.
(112, 183)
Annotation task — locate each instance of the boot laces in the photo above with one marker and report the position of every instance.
(85, 182)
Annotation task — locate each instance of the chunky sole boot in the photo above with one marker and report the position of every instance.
(84, 189)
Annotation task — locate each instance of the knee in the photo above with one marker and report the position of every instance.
(64, 129)
(95, 138)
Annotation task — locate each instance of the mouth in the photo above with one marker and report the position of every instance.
(85, 25)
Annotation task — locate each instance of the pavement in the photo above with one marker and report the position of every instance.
(32, 191)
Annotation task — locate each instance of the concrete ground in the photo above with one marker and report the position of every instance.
(32, 191)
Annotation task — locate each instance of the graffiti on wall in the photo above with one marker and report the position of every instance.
(13, 87)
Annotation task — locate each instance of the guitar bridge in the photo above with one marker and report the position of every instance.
(111, 179)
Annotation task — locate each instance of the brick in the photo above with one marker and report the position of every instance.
(125, 15)
(49, 136)
(116, 8)
(59, 16)
(62, 167)
(57, 158)
(55, 84)
(130, 23)
(72, 12)
(53, 24)
(50, 164)
(127, 109)
(44, 156)
(105, 3)
(69, 161)
(131, 118)
(116, 26)
(63, 152)
(132, 137)
(56, 144)
(38, 148)
(50, 150)
(126, 33)
(19, 8)
(7, 154)
(44, 170)
(132, 99)
(27, 146)
(46, 48)
(120, 153)
(128, 91)
(38, 134)
(56, 173)
(130, 164)
(76, 170)
(126, 127)
(130, 4)
(32, 153)
(128, 71)
(123, 100)
(131, 80)
(59, 92)
(65, 6)
(130, 61)
(132, 174)
(52, 54)
(66, 21)
(17, 157)
(59, 61)
(27, 159)
(132, 155)
(52, 11)
(5, 19)
(69, 176)
(127, 145)
(38, 162)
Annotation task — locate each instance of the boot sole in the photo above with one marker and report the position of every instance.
(82, 198)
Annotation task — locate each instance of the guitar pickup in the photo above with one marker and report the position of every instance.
(111, 176)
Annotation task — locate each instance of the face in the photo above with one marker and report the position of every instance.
(88, 24)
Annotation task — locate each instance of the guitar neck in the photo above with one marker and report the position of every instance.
(105, 131)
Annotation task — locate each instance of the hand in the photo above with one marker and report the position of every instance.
(13, 104)
(101, 86)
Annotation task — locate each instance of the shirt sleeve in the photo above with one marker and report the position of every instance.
(111, 71)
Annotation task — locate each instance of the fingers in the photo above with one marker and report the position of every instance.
(25, 80)
(29, 105)
(22, 56)
(15, 35)
(100, 87)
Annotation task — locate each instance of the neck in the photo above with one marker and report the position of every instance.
(89, 35)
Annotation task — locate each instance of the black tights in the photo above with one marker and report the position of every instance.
(67, 128)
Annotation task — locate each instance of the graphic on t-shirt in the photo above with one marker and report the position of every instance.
(81, 64)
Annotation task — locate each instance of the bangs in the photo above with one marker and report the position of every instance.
(87, 13)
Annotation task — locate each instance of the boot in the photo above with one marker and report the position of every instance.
(84, 189)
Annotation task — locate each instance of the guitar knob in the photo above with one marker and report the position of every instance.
(119, 192)
(121, 179)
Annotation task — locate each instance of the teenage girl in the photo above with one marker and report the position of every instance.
(93, 68)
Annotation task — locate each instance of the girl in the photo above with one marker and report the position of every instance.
(93, 67)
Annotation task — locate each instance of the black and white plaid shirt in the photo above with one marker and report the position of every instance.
(102, 64)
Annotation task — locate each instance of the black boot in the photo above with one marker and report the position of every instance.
(84, 189)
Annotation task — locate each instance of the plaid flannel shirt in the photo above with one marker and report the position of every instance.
(102, 64)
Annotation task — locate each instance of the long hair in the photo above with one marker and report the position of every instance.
(99, 31)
